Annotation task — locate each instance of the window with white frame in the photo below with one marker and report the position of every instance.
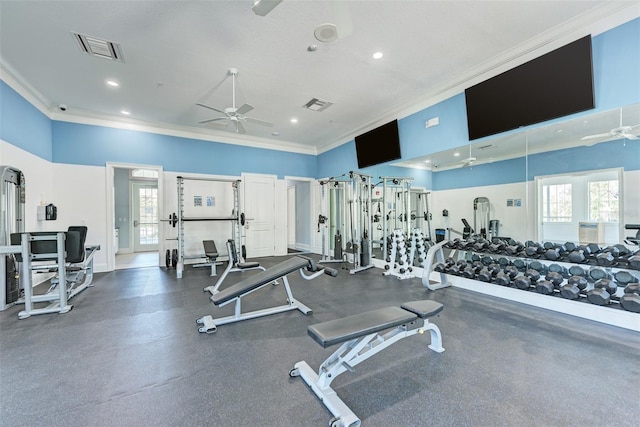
(556, 203)
(603, 201)
(144, 174)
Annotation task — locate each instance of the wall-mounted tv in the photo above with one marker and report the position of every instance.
(379, 145)
(553, 85)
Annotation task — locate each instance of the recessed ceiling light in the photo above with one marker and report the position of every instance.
(456, 154)
(377, 55)
(427, 161)
(125, 112)
(112, 83)
(294, 120)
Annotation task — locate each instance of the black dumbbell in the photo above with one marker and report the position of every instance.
(502, 278)
(469, 272)
(486, 260)
(497, 247)
(602, 292)
(537, 265)
(575, 284)
(608, 257)
(596, 274)
(545, 287)
(503, 262)
(481, 245)
(484, 275)
(630, 301)
(520, 264)
(555, 252)
(570, 246)
(557, 268)
(577, 256)
(554, 277)
(514, 249)
(522, 282)
(634, 261)
(576, 270)
(534, 250)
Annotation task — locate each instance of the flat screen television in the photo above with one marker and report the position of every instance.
(379, 145)
(553, 85)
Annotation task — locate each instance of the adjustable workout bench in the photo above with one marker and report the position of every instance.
(233, 266)
(243, 288)
(361, 339)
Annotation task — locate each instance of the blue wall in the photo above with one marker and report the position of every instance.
(616, 67)
(23, 125)
(95, 145)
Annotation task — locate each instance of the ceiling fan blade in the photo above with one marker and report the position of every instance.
(244, 109)
(211, 108)
(598, 135)
(239, 127)
(258, 122)
(213, 120)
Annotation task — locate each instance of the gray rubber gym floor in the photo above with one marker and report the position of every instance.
(129, 354)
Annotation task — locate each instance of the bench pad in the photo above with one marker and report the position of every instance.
(259, 279)
(339, 330)
(423, 308)
(249, 264)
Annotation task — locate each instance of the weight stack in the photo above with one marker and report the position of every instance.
(337, 248)
(12, 280)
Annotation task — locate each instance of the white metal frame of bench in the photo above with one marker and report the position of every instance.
(362, 336)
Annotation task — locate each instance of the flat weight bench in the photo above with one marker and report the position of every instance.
(236, 292)
(361, 338)
(234, 266)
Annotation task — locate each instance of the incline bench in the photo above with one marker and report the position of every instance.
(234, 265)
(250, 284)
(361, 339)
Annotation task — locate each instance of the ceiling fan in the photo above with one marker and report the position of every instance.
(233, 114)
(615, 133)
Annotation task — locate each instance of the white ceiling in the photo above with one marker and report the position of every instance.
(178, 53)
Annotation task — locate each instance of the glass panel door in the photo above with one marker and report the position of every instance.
(145, 217)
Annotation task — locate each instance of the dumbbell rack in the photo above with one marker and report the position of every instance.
(611, 314)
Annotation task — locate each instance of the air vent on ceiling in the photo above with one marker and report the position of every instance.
(316, 105)
(98, 47)
(486, 147)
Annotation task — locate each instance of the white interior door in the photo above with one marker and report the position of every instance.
(259, 209)
(145, 216)
(291, 214)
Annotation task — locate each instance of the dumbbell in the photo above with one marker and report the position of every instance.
(487, 260)
(602, 292)
(524, 281)
(520, 264)
(506, 276)
(576, 270)
(497, 246)
(575, 285)
(514, 249)
(537, 265)
(596, 274)
(630, 301)
(634, 261)
(481, 245)
(554, 252)
(534, 250)
(503, 262)
(484, 275)
(556, 268)
(609, 256)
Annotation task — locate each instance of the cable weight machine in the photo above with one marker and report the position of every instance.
(333, 199)
(359, 192)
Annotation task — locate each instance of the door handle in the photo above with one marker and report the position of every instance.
(135, 223)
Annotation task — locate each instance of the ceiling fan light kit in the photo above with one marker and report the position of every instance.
(232, 114)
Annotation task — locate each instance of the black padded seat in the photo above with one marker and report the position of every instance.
(347, 328)
(210, 250)
(75, 254)
(423, 308)
(260, 279)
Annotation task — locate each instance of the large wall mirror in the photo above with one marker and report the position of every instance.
(548, 183)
